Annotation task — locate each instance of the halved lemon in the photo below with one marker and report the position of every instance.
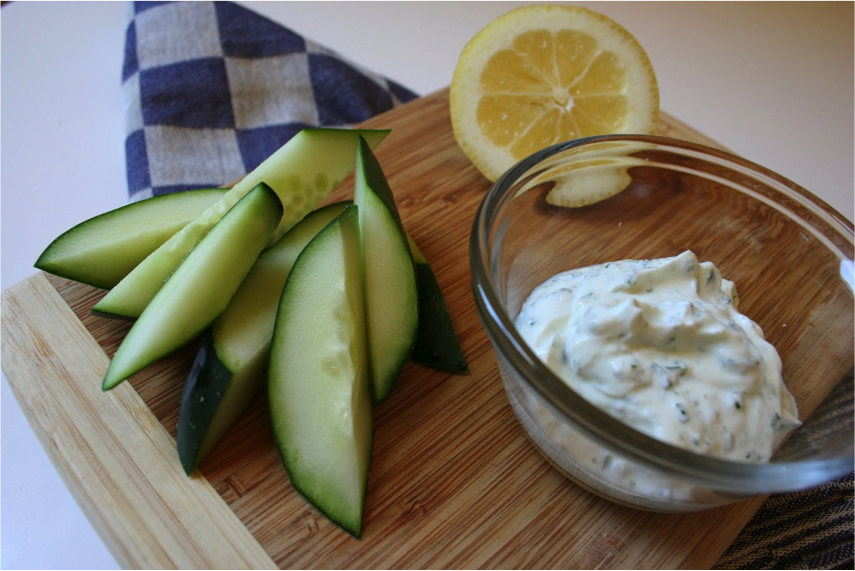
(543, 74)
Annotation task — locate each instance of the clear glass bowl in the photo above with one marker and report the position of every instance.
(789, 254)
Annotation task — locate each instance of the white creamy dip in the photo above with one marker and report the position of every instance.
(660, 345)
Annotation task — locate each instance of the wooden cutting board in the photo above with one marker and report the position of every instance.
(454, 481)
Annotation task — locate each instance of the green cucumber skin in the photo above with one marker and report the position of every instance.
(201, 287)
(391, 300)
(323, 157)
(102, 250)
(437, 345)
(318, 385)
(222, 382)
(213, 399)
(205, 385)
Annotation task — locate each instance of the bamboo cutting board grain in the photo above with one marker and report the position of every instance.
(454, 481)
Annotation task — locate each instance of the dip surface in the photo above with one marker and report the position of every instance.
(661, 346)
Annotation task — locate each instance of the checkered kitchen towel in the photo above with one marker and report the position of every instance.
(212, 89)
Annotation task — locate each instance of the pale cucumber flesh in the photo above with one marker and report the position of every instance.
(248, 321)
(201, 287)
(102, 250)
(318, 386)
(302, 173)
(391, 290)
(231, 362)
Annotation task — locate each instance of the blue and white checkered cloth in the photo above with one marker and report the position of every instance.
(212, 89)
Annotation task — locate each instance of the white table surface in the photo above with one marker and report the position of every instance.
(773, 82)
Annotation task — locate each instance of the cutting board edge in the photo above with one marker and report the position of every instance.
(34, 314)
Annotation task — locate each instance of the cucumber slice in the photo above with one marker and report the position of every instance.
(302, 172)
(104, 249)
(202, 286)
(391, 291)
(320, 402)
(437, 345)
(231, 363)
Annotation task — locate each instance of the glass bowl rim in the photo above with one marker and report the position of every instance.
(569, 406)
